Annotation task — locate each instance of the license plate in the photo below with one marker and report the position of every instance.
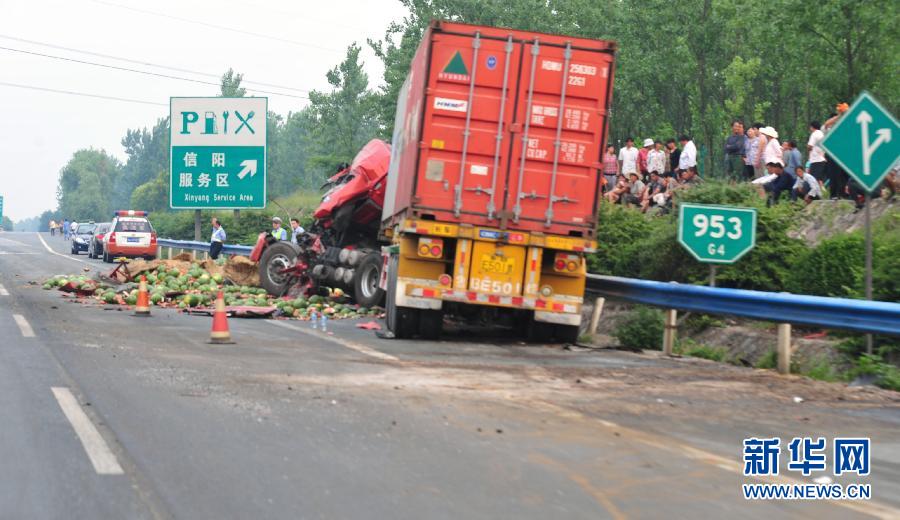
(132, 239)
(497, 264)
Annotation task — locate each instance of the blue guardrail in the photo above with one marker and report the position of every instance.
(830, 313)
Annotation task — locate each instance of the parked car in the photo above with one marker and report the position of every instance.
(81, 239)
(95, 248)
(130, 235)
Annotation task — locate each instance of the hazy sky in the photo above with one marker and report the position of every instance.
(293, 44)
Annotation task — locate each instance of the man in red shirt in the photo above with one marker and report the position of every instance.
(642, 159)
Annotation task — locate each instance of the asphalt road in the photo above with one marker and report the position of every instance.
(105, 415)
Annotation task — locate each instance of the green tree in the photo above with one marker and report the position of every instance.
(345, 117)
(83, 185)
(6, 223)
(153, 195)
(148, 154)
(231, 84)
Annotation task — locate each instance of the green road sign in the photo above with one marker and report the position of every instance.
(1, 206)
(218, 153)
(716, 234)
(865, 141)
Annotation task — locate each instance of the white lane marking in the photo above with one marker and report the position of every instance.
(3, 239)
(362, 349)
(3, 291)
(24, 326)
(60, 254)
(101, 456)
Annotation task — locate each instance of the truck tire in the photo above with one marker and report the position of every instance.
(566, 333)
(430, 324)
(539, 332)
(365, 281)
(402, 321)
(276, 257)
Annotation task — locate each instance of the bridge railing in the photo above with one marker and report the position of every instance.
(166, 248)
(781, 308)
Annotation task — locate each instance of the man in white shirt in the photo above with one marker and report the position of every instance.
(628, 158)
(816, 154)
(688, 156)
(296, 231)
(217, 240)
(656, 159)
(806, 186)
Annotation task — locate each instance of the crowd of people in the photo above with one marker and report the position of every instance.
(648, 177)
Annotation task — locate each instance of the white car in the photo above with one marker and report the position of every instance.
(130, 235)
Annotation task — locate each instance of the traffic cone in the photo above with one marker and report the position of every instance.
(142, 308)
(220, 334)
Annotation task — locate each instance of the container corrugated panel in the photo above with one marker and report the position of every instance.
(502, 128)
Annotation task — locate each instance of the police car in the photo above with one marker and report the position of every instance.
(130, 235)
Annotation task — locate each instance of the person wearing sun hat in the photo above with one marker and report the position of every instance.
(772, 153)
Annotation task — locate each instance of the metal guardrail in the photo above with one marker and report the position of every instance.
(831, 313)
(203, 247)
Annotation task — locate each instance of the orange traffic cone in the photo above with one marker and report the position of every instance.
(142, 308)
(220, 333)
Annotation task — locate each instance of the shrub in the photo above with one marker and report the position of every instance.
(821, 369)
(700, 350)
(833, 268)
(886, 376)
(768, 360)
(642, 328)
(617, 227)
(697, 323)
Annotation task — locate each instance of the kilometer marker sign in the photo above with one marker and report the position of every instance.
(716, 234)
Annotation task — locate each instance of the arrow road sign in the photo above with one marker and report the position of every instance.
(850, 142)
(218, 147)
(249, 166)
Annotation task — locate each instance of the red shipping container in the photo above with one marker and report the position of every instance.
(502, 128)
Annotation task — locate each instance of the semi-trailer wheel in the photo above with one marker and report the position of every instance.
(402, 321)
(566, 333)
(365, 281)
(539, 332)
(430, 324)
(277, 257)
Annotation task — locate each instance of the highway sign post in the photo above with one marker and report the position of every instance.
(866, 143)
(716, 234)
(218, 153)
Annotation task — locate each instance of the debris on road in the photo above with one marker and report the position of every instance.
(370, 325)
(191, 286)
